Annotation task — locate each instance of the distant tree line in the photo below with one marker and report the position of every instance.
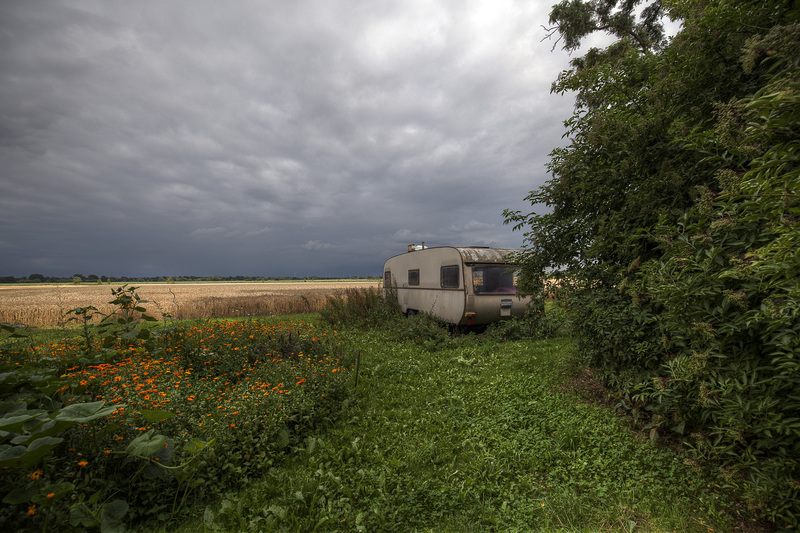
(93, 278)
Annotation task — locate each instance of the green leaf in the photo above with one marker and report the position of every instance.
(80, 515)
(283, 439)
(58, 491)
(20, 495)
(147, 444)
(22, 456)
(15, 423)
(8, 408)
(86, 412)
(156, 415)
(278, 511)
(196, 445)
(111, 516)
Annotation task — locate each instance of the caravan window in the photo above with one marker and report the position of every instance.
(493, 280)
(450, 279)
(413, 277)
(387, 279)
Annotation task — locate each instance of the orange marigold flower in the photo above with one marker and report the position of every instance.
(83, 463)
(36, 475)
(51, 494)
(32, 510)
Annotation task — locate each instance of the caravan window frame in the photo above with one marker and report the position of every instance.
(413, 277)
(449, 275)
(492, 279)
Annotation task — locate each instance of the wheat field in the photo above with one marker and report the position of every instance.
(48, 305)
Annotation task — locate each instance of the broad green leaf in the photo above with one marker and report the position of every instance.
(21, 495)
(27, 456)
(58, 491)
(8, 408)
(196, 445)
(111, 516)
(86, 412)
(283, 439)
(80, 515)
(8, 453)
(147, 444)
(156, 415)
(16, 423)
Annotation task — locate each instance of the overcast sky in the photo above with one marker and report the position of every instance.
(265, 138)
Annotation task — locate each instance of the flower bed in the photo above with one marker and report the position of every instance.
(97, 434)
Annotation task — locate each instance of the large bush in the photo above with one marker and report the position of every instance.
(672, 228)
(729, 284)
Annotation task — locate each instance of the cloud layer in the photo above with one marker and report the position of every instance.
(266, 138)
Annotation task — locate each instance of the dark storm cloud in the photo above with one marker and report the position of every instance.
(306, 138)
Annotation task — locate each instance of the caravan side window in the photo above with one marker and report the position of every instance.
(450, 277)
(413, 277)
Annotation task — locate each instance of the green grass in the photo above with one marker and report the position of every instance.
(473, 436)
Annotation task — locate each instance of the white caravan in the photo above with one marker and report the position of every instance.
(469, 286)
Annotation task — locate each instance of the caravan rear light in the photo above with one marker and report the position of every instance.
(470, 315)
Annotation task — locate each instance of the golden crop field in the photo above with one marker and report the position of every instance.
(47, 305)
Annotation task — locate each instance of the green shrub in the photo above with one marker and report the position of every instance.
(552, 322)
(729, 285)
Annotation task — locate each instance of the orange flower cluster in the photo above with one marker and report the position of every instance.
(198, 374)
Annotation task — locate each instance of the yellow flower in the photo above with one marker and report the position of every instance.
(36, 475)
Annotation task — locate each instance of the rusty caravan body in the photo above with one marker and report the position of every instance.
(464, 286)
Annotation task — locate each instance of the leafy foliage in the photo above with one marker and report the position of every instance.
(729, 285)
(105, 434)
(673, 229)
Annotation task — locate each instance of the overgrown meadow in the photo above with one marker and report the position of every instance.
(354, 419)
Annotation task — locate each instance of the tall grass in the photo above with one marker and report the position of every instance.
(361, 307)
